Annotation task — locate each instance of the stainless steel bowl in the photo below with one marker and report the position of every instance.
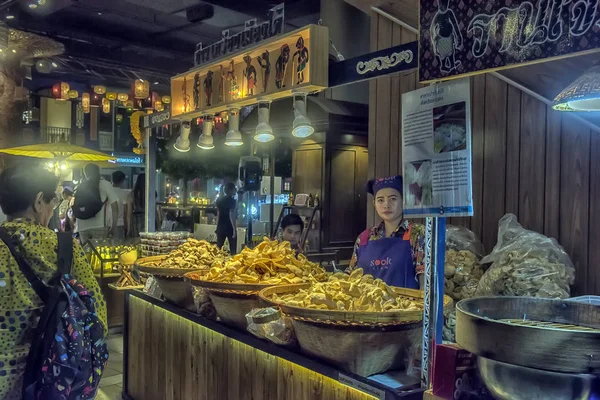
(513, 382)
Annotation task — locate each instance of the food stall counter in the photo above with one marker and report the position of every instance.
(171, 353)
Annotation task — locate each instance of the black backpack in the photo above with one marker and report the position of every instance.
(87, 200)
(68, 352)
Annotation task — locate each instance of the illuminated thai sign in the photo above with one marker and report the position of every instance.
(252, 34)
(127, 160)
(476, 36)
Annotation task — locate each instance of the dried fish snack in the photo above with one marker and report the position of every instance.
(354, 292)
(271, 262)
(462, 272)
(193, 254)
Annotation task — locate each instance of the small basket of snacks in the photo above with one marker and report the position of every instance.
(233, 284)
(168, 270)
(353, 321)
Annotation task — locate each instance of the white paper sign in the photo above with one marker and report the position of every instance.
(436, 150)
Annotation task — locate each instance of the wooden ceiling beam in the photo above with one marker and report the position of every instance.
(406, 11)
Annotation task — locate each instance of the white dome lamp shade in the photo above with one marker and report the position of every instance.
(206, 141)
(182, 144)
(301, 127)
(264, 132)
(234, 137)
(583, 94)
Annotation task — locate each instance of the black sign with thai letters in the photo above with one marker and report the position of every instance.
(154, 120)
(460, 37)
(252, 34)
(373, 65)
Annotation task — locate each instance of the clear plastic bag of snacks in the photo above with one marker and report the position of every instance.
(269, 323)
(526, 263)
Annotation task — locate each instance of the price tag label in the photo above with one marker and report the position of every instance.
(363, 387)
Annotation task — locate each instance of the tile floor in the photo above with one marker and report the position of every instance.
(111, 384)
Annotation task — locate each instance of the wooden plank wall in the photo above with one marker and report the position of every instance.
(385, 111)
(539, 164)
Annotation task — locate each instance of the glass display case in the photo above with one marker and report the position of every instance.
(103, 255)
(178, 217)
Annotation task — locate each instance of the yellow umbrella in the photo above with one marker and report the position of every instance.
(59, 152)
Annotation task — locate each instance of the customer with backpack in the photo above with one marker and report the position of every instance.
(94, 198)
(67, 346)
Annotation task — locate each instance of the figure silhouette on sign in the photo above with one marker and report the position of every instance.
(446, 37)
(281, 66)
(250, 74)
(197, 91)
(265, 64)
(208, 89)
(221, 85)
(302, 60)
(233, 85)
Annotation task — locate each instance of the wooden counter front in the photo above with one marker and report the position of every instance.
(173, 354)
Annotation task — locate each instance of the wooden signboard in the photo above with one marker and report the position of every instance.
(467, 37)
(273, 69)
(373, 65)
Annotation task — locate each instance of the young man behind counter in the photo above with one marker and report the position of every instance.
(292, 227)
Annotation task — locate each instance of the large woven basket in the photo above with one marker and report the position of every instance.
(365, 343)
(149, 265)
(170, 281)
(232, 301)
(177, 291)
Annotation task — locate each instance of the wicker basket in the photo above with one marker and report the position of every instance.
(177, 291)
(148, 265)
(231, 300)
(170, 281)
(362, 350)
(365, 343)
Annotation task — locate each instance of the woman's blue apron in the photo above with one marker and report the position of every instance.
(389, 259)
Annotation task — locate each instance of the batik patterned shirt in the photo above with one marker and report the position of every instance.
(417, 241)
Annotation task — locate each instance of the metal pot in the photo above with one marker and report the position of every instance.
(513, 382)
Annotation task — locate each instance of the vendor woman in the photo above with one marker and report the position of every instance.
(394, 249)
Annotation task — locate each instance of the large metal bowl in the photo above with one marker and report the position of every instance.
(513, 382)
(554, 335)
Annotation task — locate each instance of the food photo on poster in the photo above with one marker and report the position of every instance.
(436, 150)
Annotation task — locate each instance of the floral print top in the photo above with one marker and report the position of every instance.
(20, 307)
(417, 241)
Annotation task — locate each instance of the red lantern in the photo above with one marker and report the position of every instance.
(96, 100)
(60, 91)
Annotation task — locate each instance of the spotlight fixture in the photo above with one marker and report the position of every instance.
(301, 127)
(583, 94)
(182, 144)
(234, 137)
(43, 66)
(264, 132)
(33, 6)
(206, 141)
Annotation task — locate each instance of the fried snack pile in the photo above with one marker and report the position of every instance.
(354, 292)
(270, 262)
(462, 271)
(193, 254)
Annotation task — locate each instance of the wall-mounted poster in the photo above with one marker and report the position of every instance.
(436, 150)
(460, 37)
